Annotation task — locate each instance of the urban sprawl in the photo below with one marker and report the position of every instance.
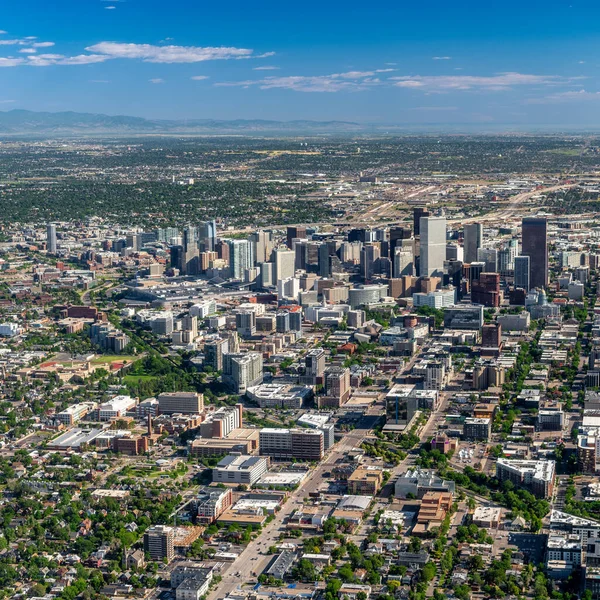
(300, 369)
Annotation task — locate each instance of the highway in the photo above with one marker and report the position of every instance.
(514, 205)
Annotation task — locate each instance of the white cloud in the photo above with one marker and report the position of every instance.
(7, 101)
(11, 62)
(352, 81)
(570, 96)
(266, 68)
(156, 80)
(199, 77)
(27, 50)
(2, 32)
(499, 81)
(171, 54)
(110, 7)
(26, 41)
(441, 58)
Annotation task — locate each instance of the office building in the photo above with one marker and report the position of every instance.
(74, 413)
(288, 288)
(473, 240)
(464, 317)
(535, 245)
(159, 542)
(207, 235)
(245, 323)
(369, 256)
(486, 290)
(435, 299)
(241, 371)
(477, 429)
(271, 395)
(365, 481)
(433, 246)
(489, 256)
(295, 232)
(187, 403)
(51, 243)
(403, 262)
(302, 444)
(522, 272)
(240, 469)
(337, 383)
(285, 261)
(417, 482)
(418, 212)
(321, 422)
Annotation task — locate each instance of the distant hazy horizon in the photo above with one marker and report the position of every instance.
(524, 64)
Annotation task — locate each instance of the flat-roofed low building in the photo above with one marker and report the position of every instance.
(184, 571)
(74, 413)
(240, 469)
(242, 441)
(417, 482)
(270, 395)
(115, 408)
(354, 591)
(75, 439)
(281, 479)
(487, 516)
(365, 481)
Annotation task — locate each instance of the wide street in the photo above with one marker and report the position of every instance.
(254, 558)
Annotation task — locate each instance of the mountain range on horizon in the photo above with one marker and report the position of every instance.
(19, 121)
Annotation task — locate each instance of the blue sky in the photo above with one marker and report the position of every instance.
(527, 63)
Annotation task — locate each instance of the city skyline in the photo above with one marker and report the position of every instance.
(528, 67)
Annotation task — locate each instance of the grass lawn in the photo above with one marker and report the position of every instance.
(109, 358)
(136, 378)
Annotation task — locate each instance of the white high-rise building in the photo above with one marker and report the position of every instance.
(433, 246)
(288, 288)
(285, 263)
(403, 262)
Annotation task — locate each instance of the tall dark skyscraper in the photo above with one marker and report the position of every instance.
(298, 232)
(397, 234)
(418, 212)
(535, 245)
